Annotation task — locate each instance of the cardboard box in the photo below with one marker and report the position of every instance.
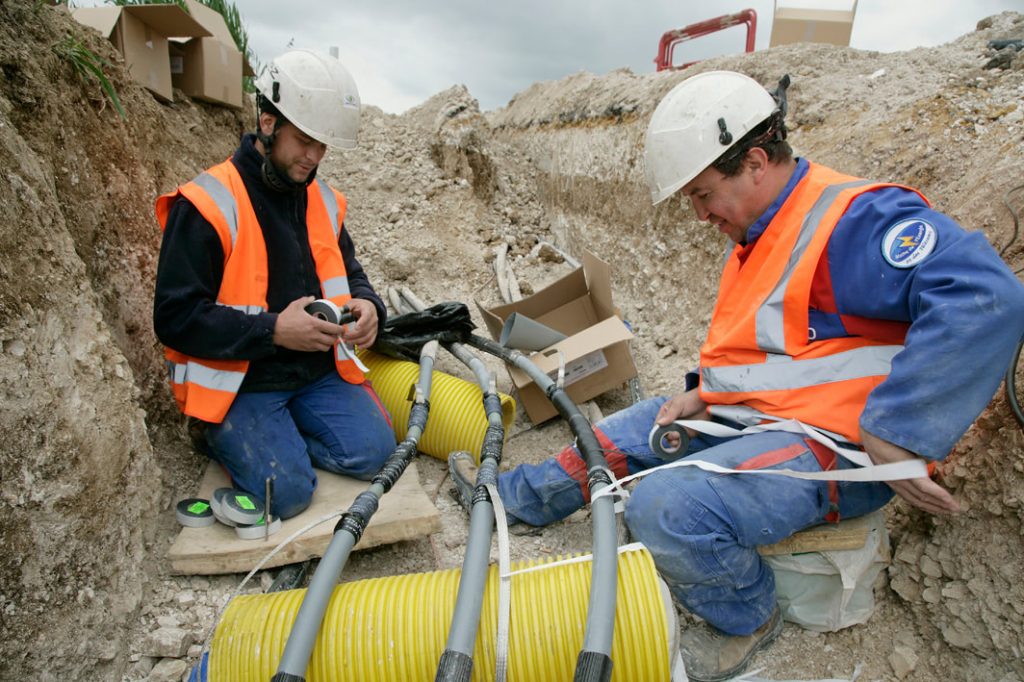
(140, 33)
(808, 25)
(209, 68)
(596, 352)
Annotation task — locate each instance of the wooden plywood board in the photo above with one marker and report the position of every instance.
(405, 513)
(849, 534)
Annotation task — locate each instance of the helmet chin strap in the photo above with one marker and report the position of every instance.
(273, 176)
(278, 180)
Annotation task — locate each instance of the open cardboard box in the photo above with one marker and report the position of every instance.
(596, 352)
(209, 68)
(140, 33)
(812, 25)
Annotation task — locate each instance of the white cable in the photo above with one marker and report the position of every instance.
(504, 586)
(264, 560)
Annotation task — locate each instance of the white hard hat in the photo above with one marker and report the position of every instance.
(696, 122)
(316, 94)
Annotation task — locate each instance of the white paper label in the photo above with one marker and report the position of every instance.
(582, 367)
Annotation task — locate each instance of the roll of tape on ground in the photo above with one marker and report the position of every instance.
(194, 512)
(257, 531)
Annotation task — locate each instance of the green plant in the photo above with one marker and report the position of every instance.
(233, 19)
(88, 66)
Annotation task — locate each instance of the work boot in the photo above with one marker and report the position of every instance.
(463, 470)
(711, 655)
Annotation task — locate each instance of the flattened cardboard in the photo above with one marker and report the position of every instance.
(140, 32)
(596, 353)
(809, 25)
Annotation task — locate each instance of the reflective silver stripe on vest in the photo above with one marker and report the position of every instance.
(748, 416)
(214, 379)
(247, 309)
(781, 373)
(770, 325)
(331, 204)
(224, 201)
(336, 286)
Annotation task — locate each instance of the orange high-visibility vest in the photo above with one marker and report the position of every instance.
(757, 353)
(205, 388)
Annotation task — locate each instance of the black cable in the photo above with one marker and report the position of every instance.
(1011, 385)
(1016, 224)
(1011, 372)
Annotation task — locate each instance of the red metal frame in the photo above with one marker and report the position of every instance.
(668, 42)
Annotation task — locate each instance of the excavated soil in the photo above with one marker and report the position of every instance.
(94, 456)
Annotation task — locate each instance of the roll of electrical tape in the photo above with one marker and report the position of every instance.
(194, 512)
(326, 310)
(242, 508)
(658, 445)
(217, 506)
(258, 531)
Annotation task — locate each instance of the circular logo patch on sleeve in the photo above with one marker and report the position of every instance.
(909, 242)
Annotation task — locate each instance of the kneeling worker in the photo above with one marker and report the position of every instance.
(246, 246)
(848, 305)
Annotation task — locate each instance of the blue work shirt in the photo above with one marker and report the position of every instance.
(965, 309)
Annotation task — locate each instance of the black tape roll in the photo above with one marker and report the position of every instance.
(657, 441)
(323, 309)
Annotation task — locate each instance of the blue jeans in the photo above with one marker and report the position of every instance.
(330, 424)
(702, 528)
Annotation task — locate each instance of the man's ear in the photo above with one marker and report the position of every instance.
(267, 121)
(756, 161)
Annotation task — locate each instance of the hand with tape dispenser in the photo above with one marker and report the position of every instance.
(668, 439)
(310, 324)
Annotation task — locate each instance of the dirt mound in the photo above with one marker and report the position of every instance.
(93, 453)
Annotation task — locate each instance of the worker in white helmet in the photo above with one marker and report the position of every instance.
(867, 327)
(247, 245)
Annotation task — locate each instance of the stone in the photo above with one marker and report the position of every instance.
(168, 670)
(930, 567)
(909, 590)
(958, 634)
(170, 620)
(955, 590)
(167, 643)
(143, 666)
(903, 660)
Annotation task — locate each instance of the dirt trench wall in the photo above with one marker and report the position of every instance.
(932, 118)
(80, 374)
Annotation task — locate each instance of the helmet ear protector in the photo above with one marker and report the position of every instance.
(775, 131)
(265, 106)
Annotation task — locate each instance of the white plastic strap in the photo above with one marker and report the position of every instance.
(679, 669)
(897, 471)
(504, 586)
(632, 547)
(345, 353)
(790, 425)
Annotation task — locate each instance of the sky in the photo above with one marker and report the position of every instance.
(401, 52)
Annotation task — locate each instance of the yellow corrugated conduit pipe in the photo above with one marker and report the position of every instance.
(456, 420)
(393, 629)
